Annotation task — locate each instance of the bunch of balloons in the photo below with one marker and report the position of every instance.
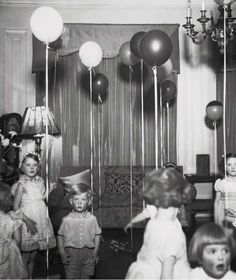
(91, 54)
(154, 47)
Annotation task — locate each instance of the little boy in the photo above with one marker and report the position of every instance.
(79, 235)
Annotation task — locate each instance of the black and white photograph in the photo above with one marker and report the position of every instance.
(118, 139)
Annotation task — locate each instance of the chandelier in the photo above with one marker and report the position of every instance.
(216, 29)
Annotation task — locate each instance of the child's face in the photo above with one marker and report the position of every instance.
(30, 167)
(216, 260)
(80, 202)
(231, 166)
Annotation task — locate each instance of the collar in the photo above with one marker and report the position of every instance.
(84, 214)
(26, 178)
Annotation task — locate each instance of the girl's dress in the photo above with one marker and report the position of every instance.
(227, 188)
(162, 239)
(11, 265)
(34, 207)
(198, 273)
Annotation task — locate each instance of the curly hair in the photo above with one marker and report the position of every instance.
(6, 199)
(166, 188)
(209, 234)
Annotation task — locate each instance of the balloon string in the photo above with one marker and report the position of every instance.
(55, 77)
(99, 161)
(168, 131)
(91, 128)
(215, 145)
(46, 155)
(142, 123)
(131, 153)
(154, 69)
(161, 126)
(224, 107)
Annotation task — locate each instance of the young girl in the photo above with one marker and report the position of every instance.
(225, 199)
(150, 210)
(211, 249)
(163, 253)
(11, 265)
(29, 196)
(79, 235)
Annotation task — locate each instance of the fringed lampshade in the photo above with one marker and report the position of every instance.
(34, 124)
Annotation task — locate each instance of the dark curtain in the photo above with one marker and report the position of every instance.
(116, 128)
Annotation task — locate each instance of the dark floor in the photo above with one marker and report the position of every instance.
(118, 249)
(115, 256)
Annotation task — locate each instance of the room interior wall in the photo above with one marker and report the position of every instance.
(197, 79)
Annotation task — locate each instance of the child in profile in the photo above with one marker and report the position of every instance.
(79, 235)
(211, 248)
(163, 254)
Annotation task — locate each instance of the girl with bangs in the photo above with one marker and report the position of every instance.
(211, 249)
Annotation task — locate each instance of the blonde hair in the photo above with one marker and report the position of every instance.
(79, 189)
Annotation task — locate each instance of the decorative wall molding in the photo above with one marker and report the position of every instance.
(67, 3)
(14, 69)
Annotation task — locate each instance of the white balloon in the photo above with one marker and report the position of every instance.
(46, 24)
(90, 54)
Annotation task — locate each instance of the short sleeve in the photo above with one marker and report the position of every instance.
(218, 185)
(62, 228)
(96, 228)
(14, 188)
(150, 211)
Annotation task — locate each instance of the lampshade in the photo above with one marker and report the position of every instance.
(34, 122)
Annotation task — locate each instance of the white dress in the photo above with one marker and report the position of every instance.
(11, 265)
(34, 207)
(162, 239)
(227, 189)
(199, 274)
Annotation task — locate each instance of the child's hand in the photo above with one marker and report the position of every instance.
(31, 225)
(65, 259)
(129, 225)
(230, 212)
(96, 259)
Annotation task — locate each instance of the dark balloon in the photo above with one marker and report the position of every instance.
(214, 110)
(100, 84)
(135, 43)
(156, 47)
(168, 90)
(126, 56)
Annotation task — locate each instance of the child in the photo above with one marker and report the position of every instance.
(79, 235)
(163, 253)
(29, 195)
(225, 199)
(11, 265)
(211, 248)
(150, 210)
